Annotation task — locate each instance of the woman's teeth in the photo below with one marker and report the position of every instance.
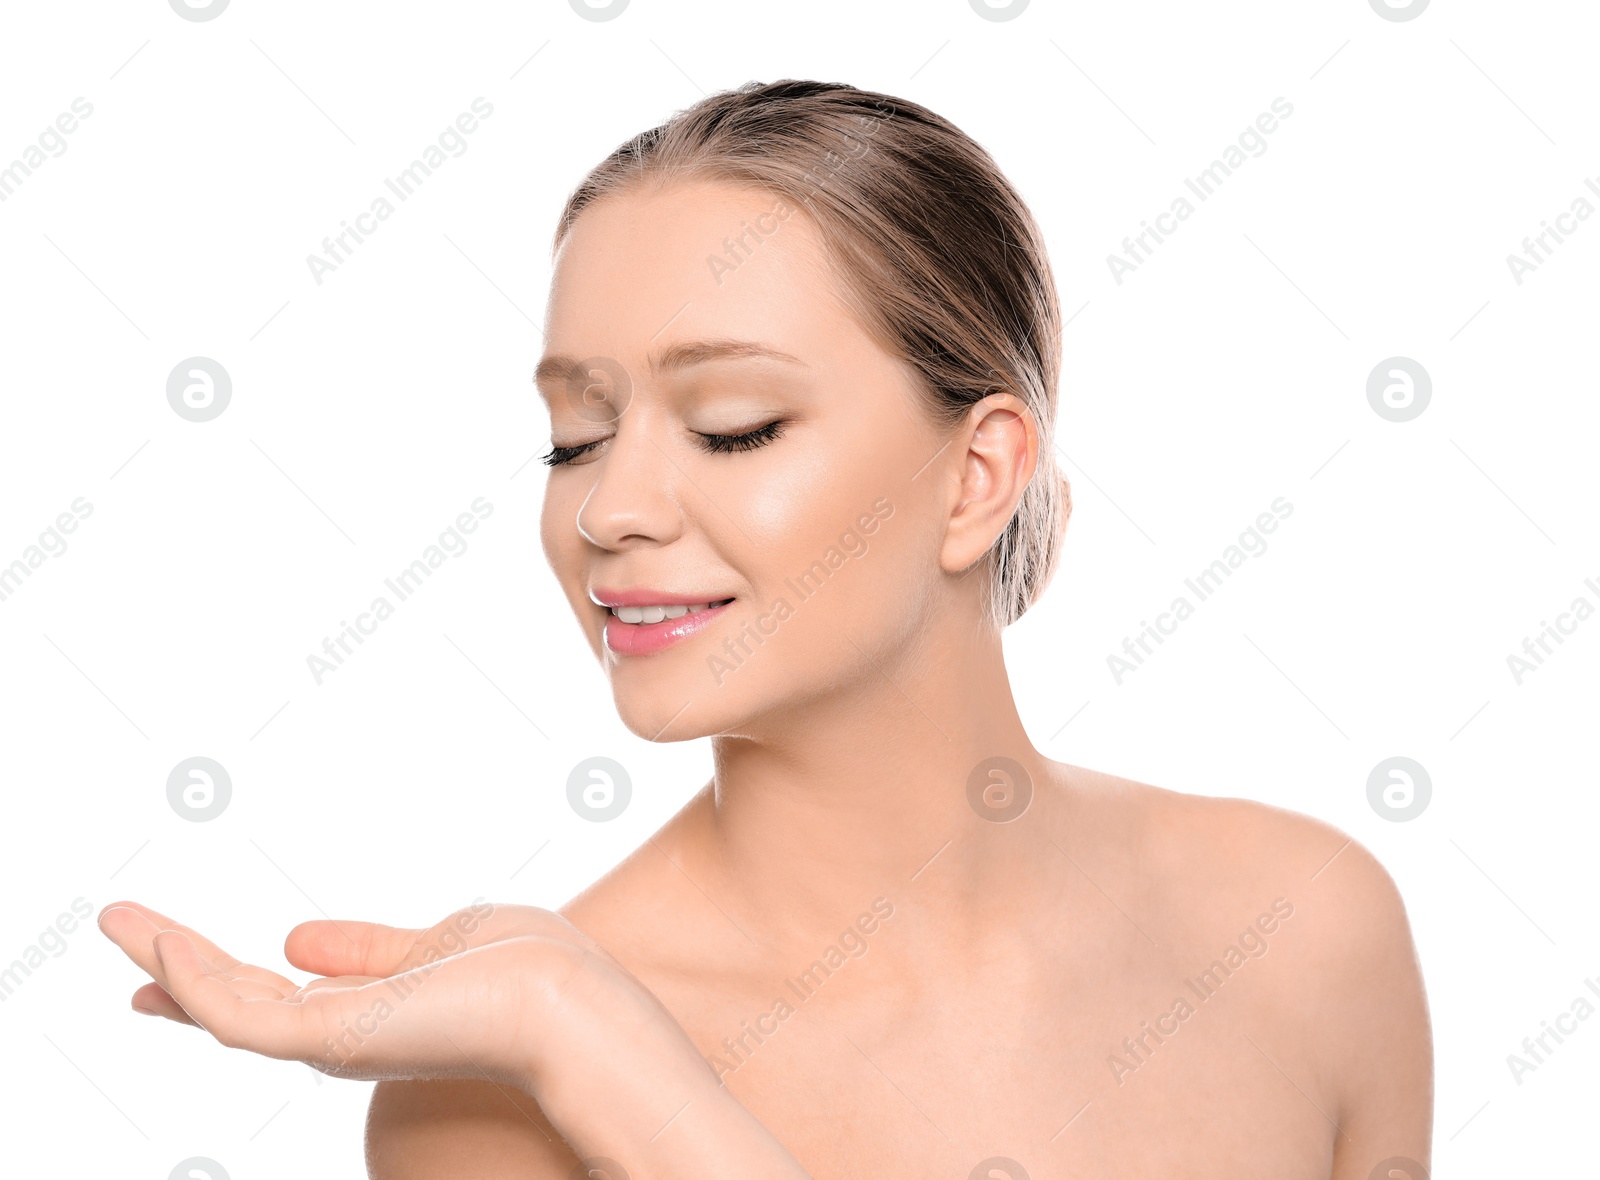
(657, 614)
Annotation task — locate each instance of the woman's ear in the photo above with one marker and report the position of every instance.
(998, 445)
(1066, 513)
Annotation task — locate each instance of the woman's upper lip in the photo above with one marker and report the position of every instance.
(607, 596)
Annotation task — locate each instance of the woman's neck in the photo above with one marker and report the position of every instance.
(894, 786)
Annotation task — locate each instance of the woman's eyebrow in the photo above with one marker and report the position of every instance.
(697, 352)
(676, 358)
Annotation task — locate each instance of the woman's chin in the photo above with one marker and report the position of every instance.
(661, 716)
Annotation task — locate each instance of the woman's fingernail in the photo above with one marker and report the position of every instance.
(145, 1011)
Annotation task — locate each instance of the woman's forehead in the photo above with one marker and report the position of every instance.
(693, 261)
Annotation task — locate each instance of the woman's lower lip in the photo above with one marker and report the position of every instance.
(642, 639)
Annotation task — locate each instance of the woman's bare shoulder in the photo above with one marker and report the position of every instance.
(650, 890)
(1216, 846)
(1200, 866)
(1203, 868)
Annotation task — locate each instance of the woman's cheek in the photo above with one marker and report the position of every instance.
(801, 485)
(775, 512)
(552, 539)
(839, 529)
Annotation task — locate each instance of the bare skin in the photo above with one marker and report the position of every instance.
(982, 1016)
(934, 1050)
(863, 948)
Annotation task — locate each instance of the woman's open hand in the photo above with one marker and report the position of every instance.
(513, 994)
(447, 1001)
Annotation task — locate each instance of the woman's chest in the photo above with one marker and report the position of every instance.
(1005, 1086)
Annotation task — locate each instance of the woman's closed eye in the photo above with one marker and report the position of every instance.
(557, 456)
(759, 437)
(720, 444)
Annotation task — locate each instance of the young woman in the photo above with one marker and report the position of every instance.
(802, 355)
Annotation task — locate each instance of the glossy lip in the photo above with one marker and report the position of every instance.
(643, 639)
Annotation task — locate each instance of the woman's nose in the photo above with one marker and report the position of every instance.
(634, 498)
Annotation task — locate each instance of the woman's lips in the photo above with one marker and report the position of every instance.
(642, 639)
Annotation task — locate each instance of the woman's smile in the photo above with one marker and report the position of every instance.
(642, 622)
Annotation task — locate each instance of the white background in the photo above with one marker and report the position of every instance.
(369, 410)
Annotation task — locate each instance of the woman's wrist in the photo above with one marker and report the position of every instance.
(616, 1074)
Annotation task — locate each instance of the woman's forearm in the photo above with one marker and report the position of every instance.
(616, 1074)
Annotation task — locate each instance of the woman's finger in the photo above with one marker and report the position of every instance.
(152, 1000)
(133, 928)
(369, 948)
(208, 949)
(332, 948)
(271, 1026)
(134, 933)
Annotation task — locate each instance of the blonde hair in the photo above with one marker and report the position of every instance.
(939, 256)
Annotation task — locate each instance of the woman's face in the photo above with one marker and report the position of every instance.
(709, 310)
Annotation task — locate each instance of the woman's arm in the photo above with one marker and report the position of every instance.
(515, 996)
(1370, 1003)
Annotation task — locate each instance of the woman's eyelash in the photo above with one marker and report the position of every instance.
(721, 444)
(760, 437)
(559, 455)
